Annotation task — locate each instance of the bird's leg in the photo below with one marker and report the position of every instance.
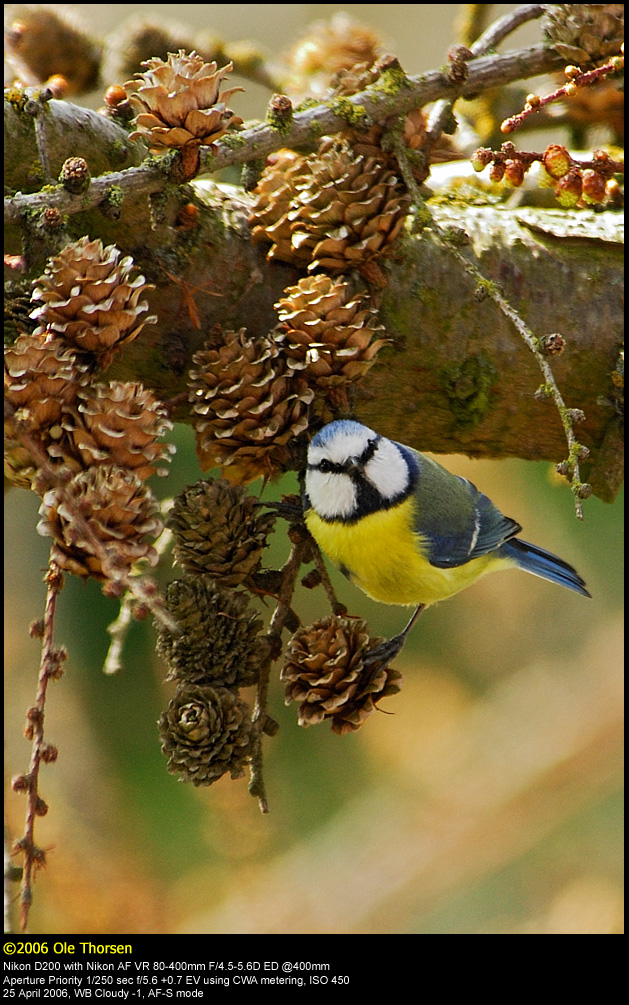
(388, 650)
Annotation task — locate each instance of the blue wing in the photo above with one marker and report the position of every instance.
(455, 520)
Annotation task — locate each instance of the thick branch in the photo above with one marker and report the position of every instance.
(457, 377)
(462, 380)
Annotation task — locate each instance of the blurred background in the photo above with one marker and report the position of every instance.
(484, 798)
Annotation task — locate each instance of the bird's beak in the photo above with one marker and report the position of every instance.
(354, 466)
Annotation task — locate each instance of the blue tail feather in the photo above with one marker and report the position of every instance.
(544, 564)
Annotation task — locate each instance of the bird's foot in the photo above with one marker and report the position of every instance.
(388, 650)
(289, 508)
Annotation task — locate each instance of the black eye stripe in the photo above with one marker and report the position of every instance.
(329, 467)
(369, 450)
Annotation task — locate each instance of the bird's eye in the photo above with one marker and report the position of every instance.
(325, 466)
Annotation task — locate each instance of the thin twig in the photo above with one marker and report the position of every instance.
(576, 450)
(290, 571)
(261, 140)
(12, 875)
(49, 669)
(119, 628)
(335, 604)
(505, 25)
(442, 111)
(577, 80)
(37, 108)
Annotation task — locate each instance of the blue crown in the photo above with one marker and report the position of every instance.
(338, 426)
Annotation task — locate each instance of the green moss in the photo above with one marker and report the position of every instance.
(391, 81)
(115, 195)
(353, 114)
(488, 288)
(467, 192)
(117, 153)
(16, 97)
(208, 164)
(306, 104)
(233, 141)
(467, 386)
(544, 391)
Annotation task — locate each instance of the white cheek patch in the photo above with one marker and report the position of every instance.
(332, 496)
(387, 470)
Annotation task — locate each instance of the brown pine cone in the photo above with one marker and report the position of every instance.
(180, 103)
(220, 530)
(205, 733)
(369, 142)
(276, 189)
(41, 379)
(585, 34)
(246, 407)
(120, 511)
(350, 80)
(115, 423)
(326, 48)
(90, 301)
(219, 641)
(344, 210)
(326, 673)
(17, 313)
(327, 333)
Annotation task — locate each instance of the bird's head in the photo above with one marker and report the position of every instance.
(353, 471)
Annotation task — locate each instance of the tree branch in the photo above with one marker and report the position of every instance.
(463, 383)
(378, 102)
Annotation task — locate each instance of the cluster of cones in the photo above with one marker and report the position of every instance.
(86, 446)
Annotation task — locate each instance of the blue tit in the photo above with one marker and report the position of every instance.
(405, 530)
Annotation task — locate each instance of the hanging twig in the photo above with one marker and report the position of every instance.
(142, 589)
(49, 669)
(290, 571)
(119, 628)
(451, 241)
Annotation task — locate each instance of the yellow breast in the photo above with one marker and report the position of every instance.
(382, 554)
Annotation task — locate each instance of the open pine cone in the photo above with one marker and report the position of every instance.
(180, 103)
(219, 641)
(336, 211)
(326, 673)
(585, 34)
(246, 407)
(220, 530)
(326, 333)
(115, 423)
(368, 142)
(90, 301)
(120, 511)
(206, 732)
(41, 379)
(325, 49)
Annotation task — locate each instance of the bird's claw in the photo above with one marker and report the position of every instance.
(391, 648)
(386, 651)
